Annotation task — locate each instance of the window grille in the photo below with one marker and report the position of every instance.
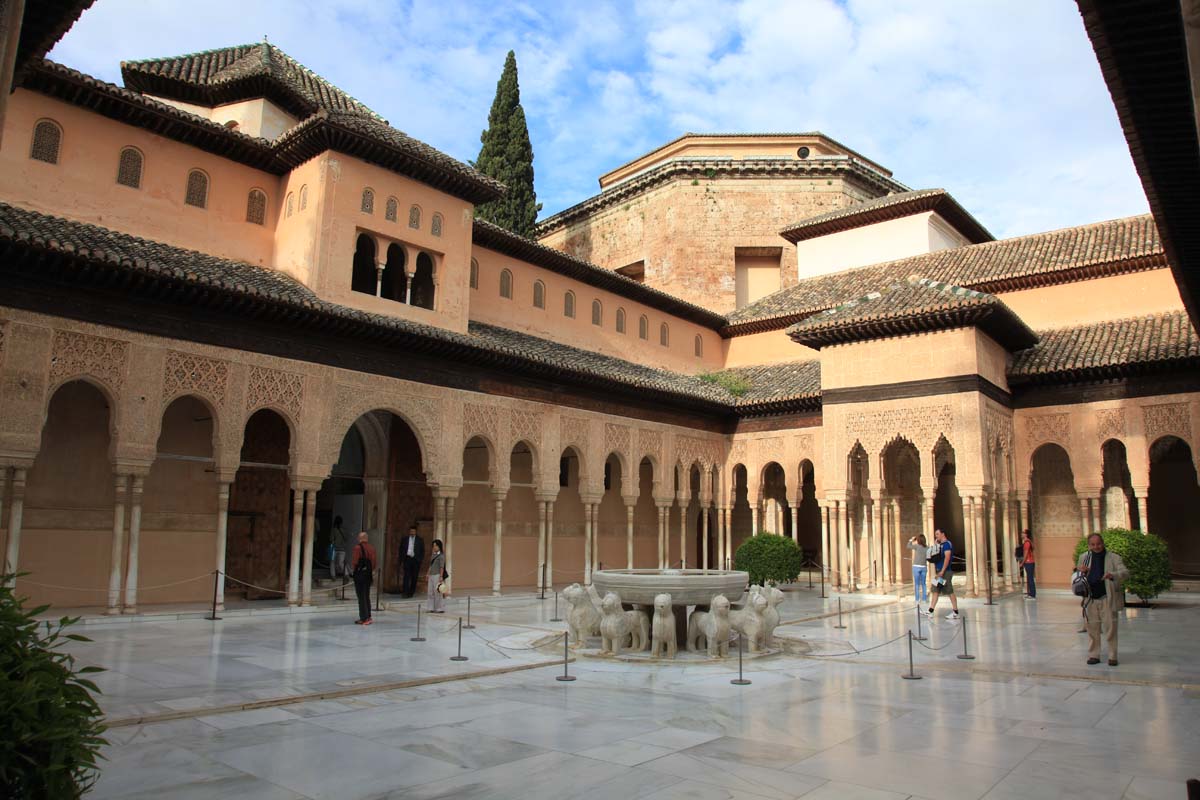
(414, 217)
(368, 202)
(197, 189)
(47, 139)
(129, 168)
(391, 209)
(506, 284)
(256, 207)
(435, 225)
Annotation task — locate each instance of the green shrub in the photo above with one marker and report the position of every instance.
(731, 382)
(768, 557)
(1144, 554)
(50, 721)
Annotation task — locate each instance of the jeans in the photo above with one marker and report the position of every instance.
(1030, 583)
(362, 588)
(920, 590)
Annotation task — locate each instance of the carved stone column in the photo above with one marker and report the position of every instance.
(549, 544)
(497, 541)
(1096, 502)
(989, 521)
(875, 545)
(1006, 541)
(796, 524)
(754, 519)
(629, 508)
(408, 292)
(541, 544)
(706, 512)
(137, 484)
(683, 549)
(1140, 493)
(1084, 517)
(222, 539)
(448, 529)
(662, 525)
(846, 535)
(897, 542)
(310, 529)
(294, 559)
(969, 541)
(824, 512)
(116, 559)
(379, 279)
(587, 542)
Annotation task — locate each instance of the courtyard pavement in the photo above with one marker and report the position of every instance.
(311, 706)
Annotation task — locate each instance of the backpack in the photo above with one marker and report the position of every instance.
(364, 567)
(934, 554)
(1079, 580)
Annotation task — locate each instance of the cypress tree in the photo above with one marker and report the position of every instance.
(507, 156)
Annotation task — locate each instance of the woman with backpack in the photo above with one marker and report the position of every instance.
(1028, 565)
(920, 567)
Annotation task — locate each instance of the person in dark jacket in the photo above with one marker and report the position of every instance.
(362, 567)
(412, 554)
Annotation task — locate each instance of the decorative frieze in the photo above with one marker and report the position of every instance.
(1110, 424)
(617, 439)
(1167, 419)
(650, 444)
(526, 426)
(922, 426)
(481, 420)
(272, 388)
(1054, 428)
(187, 373)
(76, 354)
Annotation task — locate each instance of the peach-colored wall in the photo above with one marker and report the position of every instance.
(83, 186)
(520, 314)
(764, 348)
(873, 244)
(298, 236)
(256, 117)
(941, 354)
(755, 277)
(1115, 297)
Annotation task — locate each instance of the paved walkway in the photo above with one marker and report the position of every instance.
(1026, 719)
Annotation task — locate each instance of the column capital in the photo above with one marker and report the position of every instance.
(546, 497)
(629, 500)
(498, 494)
(132, 467)
(443, 492)
(590, 498)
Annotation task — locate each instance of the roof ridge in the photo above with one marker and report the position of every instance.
(209, 52)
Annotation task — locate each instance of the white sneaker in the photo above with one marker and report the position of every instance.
(952, 615)
(925, 613)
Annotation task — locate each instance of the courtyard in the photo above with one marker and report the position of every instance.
(307, 705)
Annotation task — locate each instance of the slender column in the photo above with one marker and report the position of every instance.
(846, 532)
(720, 537)
(408, 296)
(897, 542)
(118, 543)
(1006, 542)
(969, 542)
(885, 543)
(877, 549)
(796, 524)
(310, 530)
(3, 488)
(497, 543)
(683, 554)
(541, 542)
(1140, 493)
(223, 535)
(549, 544)
(824, 509)
(15, 513)
(1023, 513)
(294, 560)
(1096, 510)
(1084, 516)
(706, 512)
(754, 519)
(662, 525)
(629, 507)
(448, 532)
(379, 279)
(727, 536)
(135, 537)
(835, 543)
(988, 509)
(587, 543)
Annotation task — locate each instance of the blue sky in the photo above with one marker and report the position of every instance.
(1001, 103)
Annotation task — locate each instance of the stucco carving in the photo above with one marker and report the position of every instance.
(1172, 419)
(1110, 424)
(616, 439)
(526, 426)
(76, 354)
(692, 449)
(1048, 428)
(806, 446)
(771, 450)
(999, 429)
(920, 425)
(737, 453)
(277, 389)
(574, 431)
(351, 401)
(187, 373)
(482, 420)
(650, 444)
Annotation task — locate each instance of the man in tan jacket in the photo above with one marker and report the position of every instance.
(1105, 572)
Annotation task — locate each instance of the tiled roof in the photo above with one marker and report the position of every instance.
(42, 24)
(493, 237)
(1109, 349)
(1112, 247)
(786, 382)
(910, 306)
(892, 206)
(229, 74)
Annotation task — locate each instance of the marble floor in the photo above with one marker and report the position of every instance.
(1025, 719)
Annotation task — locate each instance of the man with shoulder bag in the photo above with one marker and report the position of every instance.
(1098, 579)
(362, 567)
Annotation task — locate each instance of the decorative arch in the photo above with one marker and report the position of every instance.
(506, 284)
(473, 281)
(363, 278)
(435, 225)
(664, 335)
(597, 313)
(569, 304)
(303, 196)
(196, 191)
(350, 403)
(539, 295)
(698, 347)
(256, 207)
(129, 167)
(289, 206)
(46, 143)
(620, 320)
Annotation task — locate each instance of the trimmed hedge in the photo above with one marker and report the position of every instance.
(1144, 554)
(768, 557)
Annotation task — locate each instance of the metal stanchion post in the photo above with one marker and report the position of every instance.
(556, 617)
(918, 637)
(741, 681)
(542, 591)
(839, 625)
(378, 588)
(989, 587)
(822, 581)
(469, 626)
(810, 576)
(216, 582)
(418, 637)
(965, 656)
(460, 656)
(912, 675)
(566, 658)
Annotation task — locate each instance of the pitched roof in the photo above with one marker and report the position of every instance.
(782, 386)
(229, 74)
(1113, 348)
(43, 23)
(913, 305)
(493, 237)
(892, 206)
(1070, 254)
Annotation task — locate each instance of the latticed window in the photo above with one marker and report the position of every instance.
(643, 328)
(256, 207)
(699, 347)
(47, 139)
(435, 225)
(304, 197)
(368, 201)
(539, 294)
(474, 274)
(664, 335)
(129, 168)
(569, 305)
(391, 210)
(506, 284)
(414, 217)
(620, 320)
(597, 313)
(197, 189)
(288, 206)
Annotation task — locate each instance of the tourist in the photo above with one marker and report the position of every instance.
(1027, 564)
(412, 553)
(919, 567)
(437, 574)
(337, 564)
(943, 580)
(362, 567)
(1105, 573)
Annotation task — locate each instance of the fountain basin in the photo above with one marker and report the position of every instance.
(687, 587)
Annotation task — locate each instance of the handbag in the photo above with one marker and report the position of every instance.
(1079, 580)
(441, 588)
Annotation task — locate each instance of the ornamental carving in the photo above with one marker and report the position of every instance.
(806, 446)
(691, 449)
(737, 453)
(422, 414)
(999, 428)
(921, 426)
(770, 450)
(1048, 428)
(650, 444)
(186, 373)
(526, 426)
(1172, 419)
(616, 439)
(74, 354)
(573, 431)
(481, 420)
(1110, 424)
(277, 389)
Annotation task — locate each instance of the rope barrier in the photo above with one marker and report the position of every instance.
(856, 651)
(207, 575)
(950, 641)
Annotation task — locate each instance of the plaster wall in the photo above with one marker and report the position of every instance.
(939, 354)
(257, 117)
(82, 185)
(769, 347)
(1097, 300)
(884, 241)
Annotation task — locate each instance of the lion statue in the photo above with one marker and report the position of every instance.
(771, 616)
(750, 620)
(662, 630)
(583, 620)
(617, 625)
(710, 629)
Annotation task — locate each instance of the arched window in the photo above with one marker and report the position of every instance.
(129, 168)
(474, 274)
(47, 139)
(539, 294)
(643, 327)
(414, 217)
(368, 201)
(422, 282)
(256, 206)
(435, 225)
(664, 335)
(364, 278)
(289, 205)
(304, 197)
(197, 189)
(569, 305)
(597, 313)
(620, 320)
(391, 210)
(506, 284)
(394, 282)
(699, 347)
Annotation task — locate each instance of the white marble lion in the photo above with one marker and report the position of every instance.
(583, 620)
(662, 629)
(710, 629)
(749, 620)
(771, 616)
(616, 625)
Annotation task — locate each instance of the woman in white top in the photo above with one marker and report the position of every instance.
(919, 567)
